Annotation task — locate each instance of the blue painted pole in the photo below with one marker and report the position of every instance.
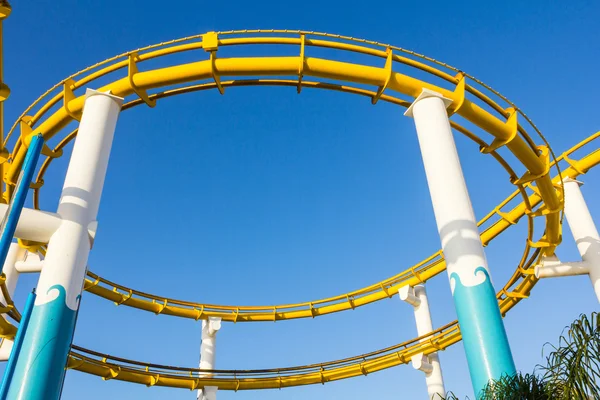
(11, 218)
(18, 343)
(484, 337)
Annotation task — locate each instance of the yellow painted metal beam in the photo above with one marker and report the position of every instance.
(420, 272)
(109, 367)
(498, 122)
(316, 67)
(160, 305)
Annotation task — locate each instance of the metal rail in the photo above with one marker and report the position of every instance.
(516, 289)
(469, 103)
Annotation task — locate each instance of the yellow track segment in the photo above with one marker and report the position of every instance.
(420, 272)
(500, 122)
(469, 102)
(478, 109)
(517, 288)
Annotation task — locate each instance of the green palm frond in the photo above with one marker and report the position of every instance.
(572, 371)
(518, 387)
(573, 367)
(449, 396)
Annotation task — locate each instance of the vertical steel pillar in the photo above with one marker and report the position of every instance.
(430, 365)
(484, 337)
(210, 328)
(583, 229)
(40, 368)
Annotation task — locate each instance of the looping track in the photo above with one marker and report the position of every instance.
(500, 118)
(516, 289)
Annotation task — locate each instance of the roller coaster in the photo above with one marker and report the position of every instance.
(442, 96)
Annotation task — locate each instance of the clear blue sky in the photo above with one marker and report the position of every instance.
(270, 197)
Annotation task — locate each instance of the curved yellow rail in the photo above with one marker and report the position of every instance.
(421, 272)
(469, 103)
(517, 288)
(109, 367)
(506, 131)
(418, 273)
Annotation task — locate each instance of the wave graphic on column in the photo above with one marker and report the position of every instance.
(482, 330)
(45, 348)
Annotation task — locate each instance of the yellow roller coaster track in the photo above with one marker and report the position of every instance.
(420, 272)
(51, 117)
(137, 83)
(516, 289)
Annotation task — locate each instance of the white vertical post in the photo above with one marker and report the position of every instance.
(15, 253)
(430, 365)
(484, 337)
(210, 328)
(5, 348)
(583, 229)
(40, 367)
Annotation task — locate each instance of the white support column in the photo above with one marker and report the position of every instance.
(586, 236)
(583, 229)
(5, 349)
(430, 365)
(484, 337)
(18, 261)
(49, 334)
(210, 328)
(15, 253)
